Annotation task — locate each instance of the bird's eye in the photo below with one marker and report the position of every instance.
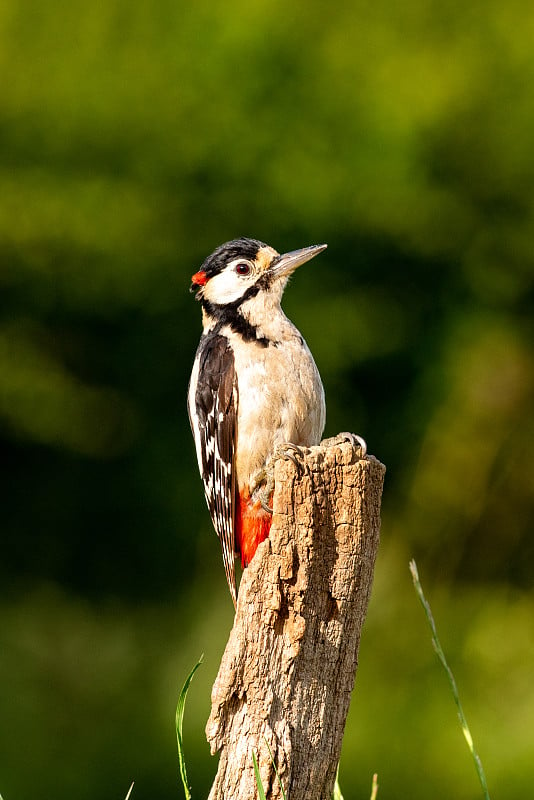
(242, 268)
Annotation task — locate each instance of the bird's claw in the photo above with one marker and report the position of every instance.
(263, 503)
(288, 452)
(353, 438)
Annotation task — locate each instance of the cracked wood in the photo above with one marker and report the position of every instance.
(288, 671)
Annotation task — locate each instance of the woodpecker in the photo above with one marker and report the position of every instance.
(255, 393)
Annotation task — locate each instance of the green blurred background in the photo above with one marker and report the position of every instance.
(134, 138)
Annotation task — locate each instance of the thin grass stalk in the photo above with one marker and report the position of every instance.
(452, 682)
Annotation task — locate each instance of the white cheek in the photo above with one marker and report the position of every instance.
(225, 288)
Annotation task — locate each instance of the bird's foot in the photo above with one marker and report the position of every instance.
(355, 440)
(288, 452)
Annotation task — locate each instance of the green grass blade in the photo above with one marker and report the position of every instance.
(374, 787)
(259, 784)
(276, 771)
(336, 794)
(441, 655)
(179, 723)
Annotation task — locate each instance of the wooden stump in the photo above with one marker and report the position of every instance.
(287, 674)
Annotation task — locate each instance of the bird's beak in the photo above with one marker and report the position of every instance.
(285, 264)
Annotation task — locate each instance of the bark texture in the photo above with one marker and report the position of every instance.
(287, 674)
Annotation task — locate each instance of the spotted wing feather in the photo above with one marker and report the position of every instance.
(213, 421)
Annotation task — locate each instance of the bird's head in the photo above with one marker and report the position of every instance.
(242, 268)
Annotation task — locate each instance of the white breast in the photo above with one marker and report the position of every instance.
(281, 399)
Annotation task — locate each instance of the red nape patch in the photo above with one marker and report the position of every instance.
(199, 278)
(252, 526)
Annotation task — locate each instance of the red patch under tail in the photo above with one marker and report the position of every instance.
(252, 526)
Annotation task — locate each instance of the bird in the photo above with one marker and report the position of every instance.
(255, 393)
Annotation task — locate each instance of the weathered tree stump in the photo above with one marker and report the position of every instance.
(288, 671)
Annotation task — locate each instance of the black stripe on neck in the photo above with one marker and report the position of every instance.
(229, 314)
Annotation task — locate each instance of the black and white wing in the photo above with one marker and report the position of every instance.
(212, 406)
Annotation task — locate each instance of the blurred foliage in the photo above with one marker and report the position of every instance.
(136, 137)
